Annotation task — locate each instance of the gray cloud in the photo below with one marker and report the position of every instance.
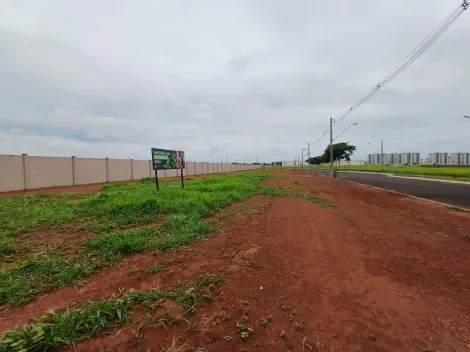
(251, 79)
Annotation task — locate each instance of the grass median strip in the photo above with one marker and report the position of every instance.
(442, 172)
(122, 215)
(67, 326)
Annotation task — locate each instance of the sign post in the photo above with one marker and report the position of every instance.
(163, 159)
(156, 179)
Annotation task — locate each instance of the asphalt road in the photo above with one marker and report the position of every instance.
(449, 193)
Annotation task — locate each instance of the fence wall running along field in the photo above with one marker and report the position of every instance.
(20, 172)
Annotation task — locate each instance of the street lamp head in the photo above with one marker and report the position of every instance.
(467, 117)
(355, 123)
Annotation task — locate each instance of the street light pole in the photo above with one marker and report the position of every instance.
(331, 147)
(354, 124)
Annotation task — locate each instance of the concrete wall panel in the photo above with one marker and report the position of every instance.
(11, 173)
(161, 174)
(119, 170)
(140, 169)
(198, 168)
(89, 171)
(49, 172)
(190, 169)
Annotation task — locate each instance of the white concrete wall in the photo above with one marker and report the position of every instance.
(198, 168)
(140, 169)
(18, 172)
(190, 168)
(48, 172)
(119, 170)
(11, 173)
(89, 171)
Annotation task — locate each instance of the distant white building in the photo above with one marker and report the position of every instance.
(289, 163)
(449, 158)
(354, 162)
(393, 159)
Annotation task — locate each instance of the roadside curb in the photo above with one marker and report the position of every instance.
(410, 196)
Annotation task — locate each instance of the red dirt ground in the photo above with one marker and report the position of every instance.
(377, 272)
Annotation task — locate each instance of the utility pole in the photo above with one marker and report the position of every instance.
(382, 152)
(226, 158)
(308, 153)
(331, 147)
(298, 159)
(303, 158)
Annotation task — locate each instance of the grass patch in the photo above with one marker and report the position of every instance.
(42, 273)
(272, 191)
(64, 327)
(119, 214)
(156, 268)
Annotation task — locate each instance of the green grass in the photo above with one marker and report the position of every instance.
(451, 173)
(156, 268)
(272, 191)
(65, 327)
(120, 215)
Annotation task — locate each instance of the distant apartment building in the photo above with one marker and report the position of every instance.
(449, 158)
(393, 159)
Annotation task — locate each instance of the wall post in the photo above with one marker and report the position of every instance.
(107, 169)
(73, 170)
(25, 171)
(132, 169)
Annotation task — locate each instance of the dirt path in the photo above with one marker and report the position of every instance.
(377, 272)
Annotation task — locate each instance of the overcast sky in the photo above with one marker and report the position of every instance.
(247, 78)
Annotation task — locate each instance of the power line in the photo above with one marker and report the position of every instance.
(412, 56)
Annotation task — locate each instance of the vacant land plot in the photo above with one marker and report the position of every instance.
(297, 262)
(451, 173)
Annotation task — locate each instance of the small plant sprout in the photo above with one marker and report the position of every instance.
(243, 329)
(265, 321)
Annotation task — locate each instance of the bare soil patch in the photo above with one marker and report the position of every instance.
(378, 272)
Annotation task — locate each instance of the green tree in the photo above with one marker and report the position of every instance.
(317, 160)
(341, 151)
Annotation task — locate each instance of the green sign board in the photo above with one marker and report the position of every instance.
(163, 159)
